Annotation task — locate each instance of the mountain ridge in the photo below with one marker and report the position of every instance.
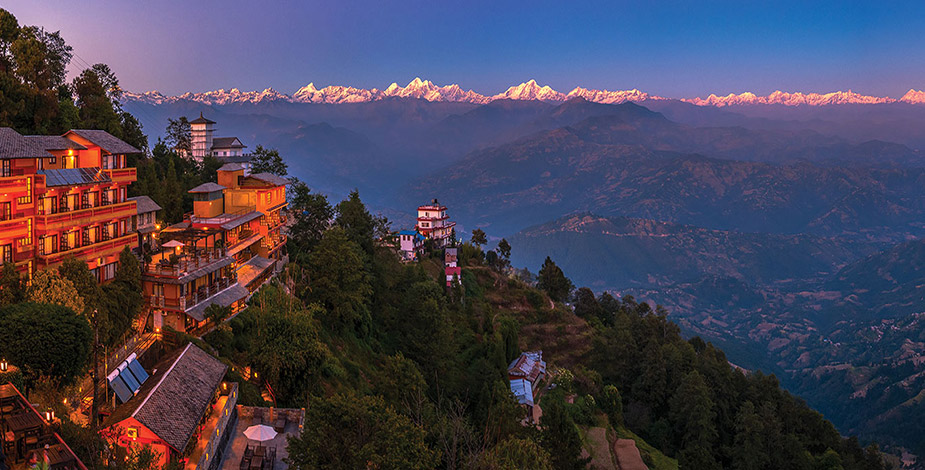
(529, 91)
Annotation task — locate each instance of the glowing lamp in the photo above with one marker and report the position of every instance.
(224, 386)
(70, 151)
(4, 365)
(49, 415)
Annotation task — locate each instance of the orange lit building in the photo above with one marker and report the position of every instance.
(225, 249)
(182, 411)
(65, 196)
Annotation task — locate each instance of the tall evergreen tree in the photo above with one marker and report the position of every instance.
(692, 411)
(268, 161)
(553, 281)
(560, 437)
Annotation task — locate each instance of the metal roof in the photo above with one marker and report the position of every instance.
(231, 167)
(227, 142)
(201, 120)
(232, 294)
(145, 204)
(270, 178)
(207, 188)
(74, 176)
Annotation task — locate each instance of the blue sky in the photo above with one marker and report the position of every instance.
(675, 49)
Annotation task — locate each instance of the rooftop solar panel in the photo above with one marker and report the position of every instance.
(129, 379)
(122, 390)
(137, 371)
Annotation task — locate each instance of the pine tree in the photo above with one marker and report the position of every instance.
(560, 437)
(553, 281)
(693, 417)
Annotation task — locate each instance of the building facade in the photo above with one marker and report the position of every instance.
(435, 224)
(228, 246)
(65, 196)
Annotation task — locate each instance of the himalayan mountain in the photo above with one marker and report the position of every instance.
(788, 228)
(427, 90)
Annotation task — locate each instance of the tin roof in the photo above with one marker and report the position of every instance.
(529, 365)
(207, 188)
(145, 204)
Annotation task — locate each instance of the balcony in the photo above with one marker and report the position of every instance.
(164, 265)
(15, 228)
(100, 249)
(14, 184)
(82, 217)
(194, 299)
(122, 175)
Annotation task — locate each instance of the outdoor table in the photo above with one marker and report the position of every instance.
(257, 462)
(260, 452)
(23, 420)
(59, 456)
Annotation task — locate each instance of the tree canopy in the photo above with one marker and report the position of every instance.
(45, 339)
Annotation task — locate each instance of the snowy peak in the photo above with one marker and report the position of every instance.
(790, 99)
(612, 97)
(426, 90)
(913, 97)
(530, 91)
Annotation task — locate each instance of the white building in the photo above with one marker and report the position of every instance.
(201, 130)
(435, 224)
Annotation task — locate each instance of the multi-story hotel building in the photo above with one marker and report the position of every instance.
(222, 252)
(65, 196)
(434, 224)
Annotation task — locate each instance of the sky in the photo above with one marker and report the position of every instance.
(670, 48)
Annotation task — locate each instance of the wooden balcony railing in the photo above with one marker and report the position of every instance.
(122, 175)
(186, 263)
(95, 250)
(82, 217)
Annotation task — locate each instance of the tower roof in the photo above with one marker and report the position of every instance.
(201, 120)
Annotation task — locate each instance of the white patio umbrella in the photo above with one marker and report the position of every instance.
(173, 244)
(260, 433)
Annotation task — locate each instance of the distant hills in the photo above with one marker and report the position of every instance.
(786, 228)
(529, 90)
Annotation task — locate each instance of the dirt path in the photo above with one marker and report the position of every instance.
(599, 449)
(628, 457)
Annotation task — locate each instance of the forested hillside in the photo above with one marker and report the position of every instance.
(398, 371)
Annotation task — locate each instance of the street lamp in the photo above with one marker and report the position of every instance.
(4, 365)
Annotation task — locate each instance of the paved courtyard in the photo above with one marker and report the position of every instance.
(234, 450)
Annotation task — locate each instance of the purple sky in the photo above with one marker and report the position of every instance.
(675, 49)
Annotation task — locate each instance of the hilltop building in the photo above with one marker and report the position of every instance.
(182, 411)
(65, 196)
(221, 253)
(225, 149)
(525, 374)
(434, 224)
(410, 244)
(451, 269)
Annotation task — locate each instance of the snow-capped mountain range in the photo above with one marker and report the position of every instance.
(427, 90)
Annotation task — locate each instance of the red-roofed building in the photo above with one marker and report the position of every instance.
(433, 223)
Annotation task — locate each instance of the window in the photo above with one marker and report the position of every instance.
(109, 271)
(159, 289)
(5, 169)
(5, 211)
(27, 199)
(107, 162)
(48, 244)
(39, 163)
(72, 201)
(48, 205)
(7, 253)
